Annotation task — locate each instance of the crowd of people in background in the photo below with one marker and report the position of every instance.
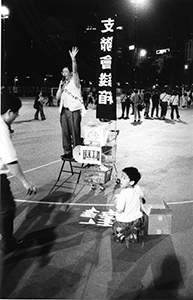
(154, 103)
(151, 102)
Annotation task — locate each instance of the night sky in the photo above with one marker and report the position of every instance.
(40, 32)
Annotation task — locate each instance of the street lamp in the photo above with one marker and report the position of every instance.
(136, 4)
(4, 16)
(15, 84)
(142, 53)
(131, 47)
(4, 12)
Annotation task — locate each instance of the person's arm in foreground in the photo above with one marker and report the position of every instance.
(16, 170)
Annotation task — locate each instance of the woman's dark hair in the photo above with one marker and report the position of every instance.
(9, 101)
(132, 173)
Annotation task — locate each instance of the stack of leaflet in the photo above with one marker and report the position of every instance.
(95, 217)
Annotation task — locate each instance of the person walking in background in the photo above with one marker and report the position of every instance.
(71, 104)
(39, 106)
(135, 98)
(123, 99)
(50, 101)
(147, 97)
(128, 104)
(184, 100)
(190, 97)
(10, 106)
(141, 94)
(155, 104)
(132, 104)
(174, 103)
(164, 100)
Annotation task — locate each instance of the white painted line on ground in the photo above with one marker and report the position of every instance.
(85, 204)
(42, 166)
(59, 203)
(180, 202)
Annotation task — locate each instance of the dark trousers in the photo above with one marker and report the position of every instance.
(147, 106)
(164, 106)
(128, 103)
(125, 106)
(71, 130)
(40, 110)
(155, 106)
(7, 212)
(174, 107)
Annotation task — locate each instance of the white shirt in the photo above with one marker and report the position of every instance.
(7, 151)
(164, 97)
(174, 99)
(128, 202)
(71, 97)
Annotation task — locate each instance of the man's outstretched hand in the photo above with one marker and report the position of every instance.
(73, 52)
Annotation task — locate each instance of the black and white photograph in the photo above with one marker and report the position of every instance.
(96, 149)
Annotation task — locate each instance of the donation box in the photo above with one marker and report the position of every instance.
(160, 220)
(96, 134)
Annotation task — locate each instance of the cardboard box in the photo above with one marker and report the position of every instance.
(96, 175)
(87, 154)
(160, 220)
(95, 134)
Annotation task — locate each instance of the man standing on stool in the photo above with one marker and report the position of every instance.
(69, 94)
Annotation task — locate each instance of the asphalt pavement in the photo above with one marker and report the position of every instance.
(61, 259)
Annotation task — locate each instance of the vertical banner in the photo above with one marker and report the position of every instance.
(106, 81)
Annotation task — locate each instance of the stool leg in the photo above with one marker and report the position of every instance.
(71, 167)
(61, 170)
(80, 173)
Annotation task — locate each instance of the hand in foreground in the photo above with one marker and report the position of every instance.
(31, 189)
(73, 53)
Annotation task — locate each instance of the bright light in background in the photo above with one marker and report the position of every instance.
(4, 12)
(139, 2)
(119, 28)
(143, 53)
(131, 47)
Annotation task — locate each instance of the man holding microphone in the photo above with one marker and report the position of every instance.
(71, 104)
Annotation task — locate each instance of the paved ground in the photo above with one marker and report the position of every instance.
(61, 259)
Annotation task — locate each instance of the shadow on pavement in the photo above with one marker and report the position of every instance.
(23, 121)
(152, 272)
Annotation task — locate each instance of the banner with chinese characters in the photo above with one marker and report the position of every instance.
(106, 81)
